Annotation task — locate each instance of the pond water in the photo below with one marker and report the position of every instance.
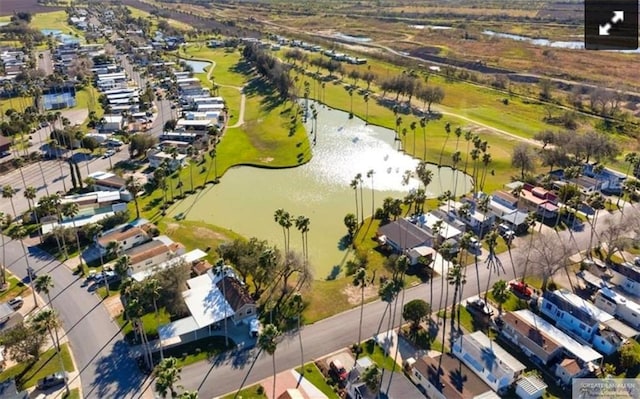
(198, 66)
(358, 39)
(246, 198)
(432, 27)
(575, 45)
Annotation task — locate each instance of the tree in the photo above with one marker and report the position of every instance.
(20, 233)
(285, 220)
(354, 186)
(372, 378)
(500, 293)
(9, 192)
(134, 187)
(297, 305)
(415, 312)
(3, 270)
(630, 354)
(370, 174)
(351, 222)
(360, 280)
(44, 284)
(302, 224)
(70, 210)
(522, 158)
(548, 254)
(430, 95)
(268, 342)
(24, 342)
(167, 374)
(47, 320)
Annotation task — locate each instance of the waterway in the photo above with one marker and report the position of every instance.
(247, 197)
(198, 66)
(575, 45)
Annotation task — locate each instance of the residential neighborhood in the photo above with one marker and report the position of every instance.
(225, 202)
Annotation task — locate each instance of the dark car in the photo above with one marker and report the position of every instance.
(479, 307)
(52, 380)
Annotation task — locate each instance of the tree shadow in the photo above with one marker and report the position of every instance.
(117, 375)
(335, 272)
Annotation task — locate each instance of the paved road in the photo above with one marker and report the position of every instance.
(224, 374)
(106, 370)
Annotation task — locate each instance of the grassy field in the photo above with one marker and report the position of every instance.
(55, 20)
(28, 374)
(248, 393)
(137, 13)
(197, 351)
(16, 288)
(150, 321)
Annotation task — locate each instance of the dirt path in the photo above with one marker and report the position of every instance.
(243, 97)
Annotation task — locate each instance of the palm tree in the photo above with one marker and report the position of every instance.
(70, 210)
(134, 312)
(134, 187)
(360, 280)
(366, 113)
(19, 163)
(191, 152)
(9, 192)
(413, 126)
(3, 270)
(456, 277)
(159, 176)
(500, 293)
(167, 375)
(596, 202)
(423, 125)
(302, 224)
(359, 179)
(447, 128)
(188, 395)
(284, 219)
(425, 176)
(48, 320)
(268, 342)
(467, 137)
(354, 186)
(20, 233)
(44, 284)
(370, 174)
(122, 269)
(152, 289)
(493, 262)
(30, 194)
(298, 306)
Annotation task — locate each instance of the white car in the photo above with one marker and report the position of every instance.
(109, 153)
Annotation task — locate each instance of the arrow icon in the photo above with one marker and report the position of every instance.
(618, 16)
(604, 29)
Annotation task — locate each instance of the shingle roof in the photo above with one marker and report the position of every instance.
(236, 295)
(405, 234)
(120, 235)
(455, 379)
(147, 250)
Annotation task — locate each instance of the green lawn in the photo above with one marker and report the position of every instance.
(196, 351)
(150, 321)
(16, 288)
(466, 319)
(27, 375)
(254, 392)
(74, 394)
(375, 352)
(513, 303)
(15, 103)
(55, 20)
(316, 378)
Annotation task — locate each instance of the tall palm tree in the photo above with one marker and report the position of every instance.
(468, 136)
(19, 163)
(167, 375)
(152, 289)
(456, 278)
(160, 177)
(447, 129)
(370, 174)
(9, 192)
(425, 176)
(20, 233)
(596, 202)
(71, 210)
(360, 280)
(413, 126)
(298, 306)
(284, 219)
(48, 320)
(268, 342)
(486, 160)
(423, 125)
(354, 186)
(500, 293)
(366, 113)
(121, 268)
(302, 224)
(44, 284)
(30, 194)
(134, 187)
(191, 153)
(3, 270)
(134, 311)
(493, 262)
(359, 179)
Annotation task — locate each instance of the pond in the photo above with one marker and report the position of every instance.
(350, 38)
(198, 66)
(575, 45)
(246, 198)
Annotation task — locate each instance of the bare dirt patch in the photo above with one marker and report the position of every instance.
(266, 160)
(113, 306)
(207, 234)
(353, 293)
(171, 228)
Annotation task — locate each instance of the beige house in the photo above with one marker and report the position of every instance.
(127, 235)
(154, 252)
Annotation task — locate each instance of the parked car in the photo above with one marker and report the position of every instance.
(636, 261)
(521, 288)
(478, 306)
(474, 243)
(338, 370)
(109, 153)
(254, 328)
(16, 303)
(52, 380)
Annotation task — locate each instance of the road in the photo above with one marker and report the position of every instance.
(224, 374)
(102, 356)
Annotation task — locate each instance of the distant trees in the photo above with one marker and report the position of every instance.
(270, 68)
(523, 158)
(585, 147)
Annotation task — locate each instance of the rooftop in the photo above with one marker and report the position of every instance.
(447, 231)
(146, 251)
(531, 384)
(188, 258)
(535, 326)
(620, 299)
(455, 379)
(489, 355)
(405, 234)
(626, 269)
(119, 235)
(578, 307)
(505, 196)
(236, 294)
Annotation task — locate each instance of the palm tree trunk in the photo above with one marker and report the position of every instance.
(44, 181)
(301, 350)
(273, 387)
(33, 290)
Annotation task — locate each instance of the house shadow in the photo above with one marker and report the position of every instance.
(119, 375)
